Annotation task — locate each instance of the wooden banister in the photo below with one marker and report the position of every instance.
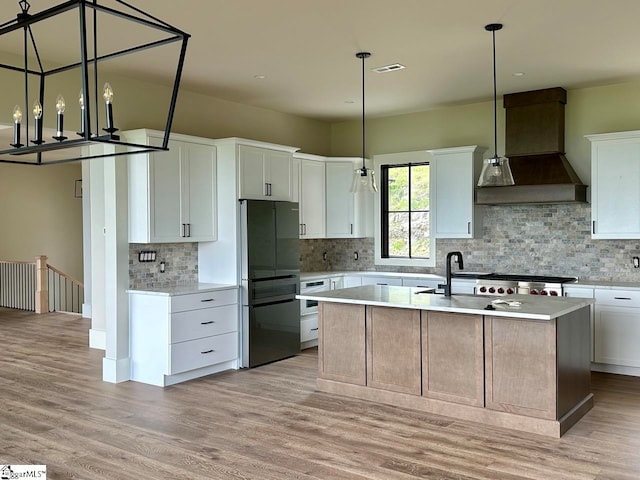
(42, 289)
(64, 275)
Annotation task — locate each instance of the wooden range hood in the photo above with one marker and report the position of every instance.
(534, 145)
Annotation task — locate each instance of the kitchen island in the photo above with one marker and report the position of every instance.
(524, 367)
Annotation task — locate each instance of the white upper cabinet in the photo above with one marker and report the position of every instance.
(172, 195)
(615, 185)
(454, 174)
(312, 198)
(264, 174)
(349, 215)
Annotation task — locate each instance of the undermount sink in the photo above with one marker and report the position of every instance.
(429, 290)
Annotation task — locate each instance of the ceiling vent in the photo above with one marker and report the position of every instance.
(388, 68)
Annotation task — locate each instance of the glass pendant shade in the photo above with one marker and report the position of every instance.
(364, 180)
(496, 173)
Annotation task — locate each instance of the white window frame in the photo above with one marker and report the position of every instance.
(420, 156)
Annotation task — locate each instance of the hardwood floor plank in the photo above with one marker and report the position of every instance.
(269, 423)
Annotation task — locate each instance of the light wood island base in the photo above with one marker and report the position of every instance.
(524, 374)
(541, 426)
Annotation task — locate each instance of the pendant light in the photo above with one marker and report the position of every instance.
(364, 179)
(495, 170)
(122, 28)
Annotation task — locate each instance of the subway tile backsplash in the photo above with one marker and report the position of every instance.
(526, 239)
(181, 265)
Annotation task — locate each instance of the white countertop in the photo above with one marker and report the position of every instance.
(538, 308)
(604, 284)
(184, 289)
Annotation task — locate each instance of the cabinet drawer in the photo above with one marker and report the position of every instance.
(202, 352)
(203, 323)
(195, 301)
(618, 298)
(309, 328)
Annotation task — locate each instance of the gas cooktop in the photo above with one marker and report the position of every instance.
(527, 278)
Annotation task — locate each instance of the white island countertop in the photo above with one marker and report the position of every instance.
(536, 308)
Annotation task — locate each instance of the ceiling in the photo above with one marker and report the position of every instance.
(305, 50)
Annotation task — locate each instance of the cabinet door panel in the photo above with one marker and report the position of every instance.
(616, 195)
(165, 192)
(520, 366)
(278, 176)
(340, 201)
(617, 336)
(454, 204)
(200, 195)
(453, 357)
(341, 343)
(393, 349)
(251, 173)
(313, 199)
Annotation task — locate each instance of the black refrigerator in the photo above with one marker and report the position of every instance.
(270, 265)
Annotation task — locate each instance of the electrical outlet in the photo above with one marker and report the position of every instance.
(355, 255)
(324, 256)
(636, 262)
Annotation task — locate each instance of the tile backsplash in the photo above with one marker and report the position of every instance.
(526, 239)
(181, 265)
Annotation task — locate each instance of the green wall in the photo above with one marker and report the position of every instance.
(589, 110)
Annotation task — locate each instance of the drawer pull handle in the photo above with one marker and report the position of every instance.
(382, 284)
(207, 351)
(622, 298)
(314, 329)
(207, 323)
(208, 300)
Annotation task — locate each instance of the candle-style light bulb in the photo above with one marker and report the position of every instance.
(82, 119)
(37, 110)
(37, 115)
(17, 120)
(60, 107)
(107, 94)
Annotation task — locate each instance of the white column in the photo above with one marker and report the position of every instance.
(116, 363)
(96, 253)
(86, 239)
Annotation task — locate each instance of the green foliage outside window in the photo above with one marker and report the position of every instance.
(406, 207)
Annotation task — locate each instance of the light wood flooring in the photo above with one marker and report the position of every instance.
(268, 423)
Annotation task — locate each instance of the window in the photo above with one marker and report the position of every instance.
(403, 234)
(405, 211)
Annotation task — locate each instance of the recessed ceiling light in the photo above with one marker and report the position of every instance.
(388, 68)
(259, 77)
(518, 74)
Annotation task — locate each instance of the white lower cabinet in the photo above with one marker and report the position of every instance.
(617, 327)
(579, 292)
(178, 337)
(309, 329)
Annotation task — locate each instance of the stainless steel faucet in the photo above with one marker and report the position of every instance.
(450, 255)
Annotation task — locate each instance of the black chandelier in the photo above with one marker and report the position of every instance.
(82, 28)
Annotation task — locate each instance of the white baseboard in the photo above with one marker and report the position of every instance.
(309, 344)
(116, 371)
(86, 310)
(97, 339)
(617, 369)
